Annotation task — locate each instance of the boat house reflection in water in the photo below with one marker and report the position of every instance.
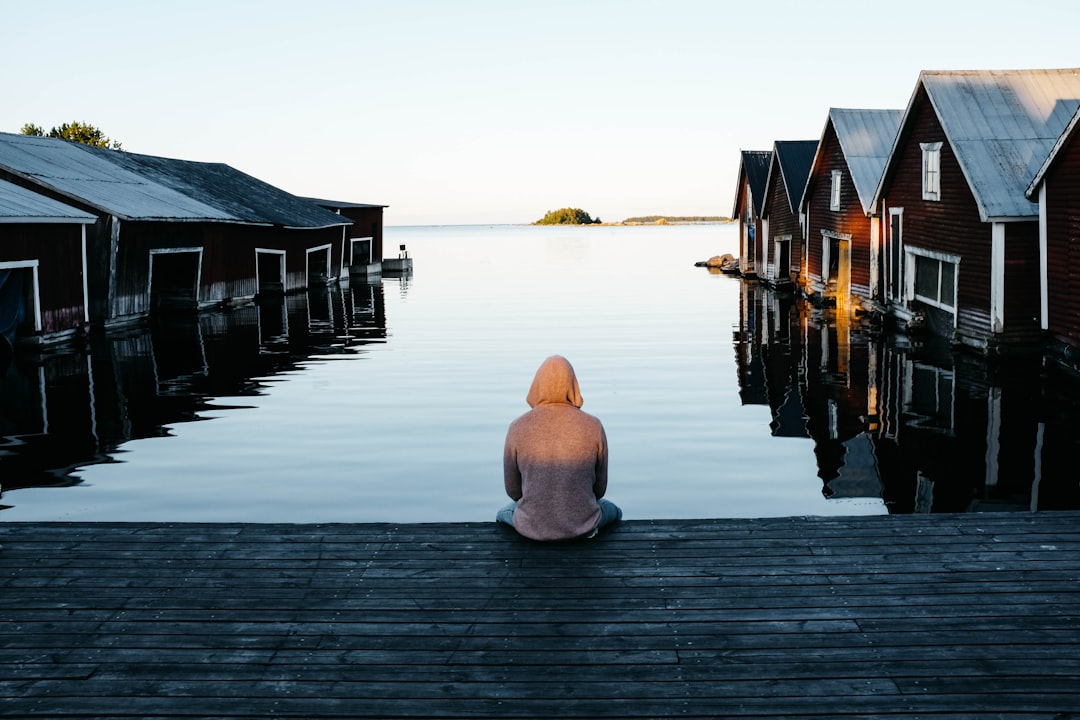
(905, 418)
(70, 409)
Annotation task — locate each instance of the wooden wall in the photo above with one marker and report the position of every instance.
(782, 221)
(1063, 244)
(58, 249)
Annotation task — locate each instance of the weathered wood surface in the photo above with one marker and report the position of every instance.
(957, 616)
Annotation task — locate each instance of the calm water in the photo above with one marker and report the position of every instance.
(389, 401)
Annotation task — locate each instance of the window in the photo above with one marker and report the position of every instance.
(834, 195)
(931, 171)
(935, 281)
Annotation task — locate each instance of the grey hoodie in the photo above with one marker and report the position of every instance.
(555, 458)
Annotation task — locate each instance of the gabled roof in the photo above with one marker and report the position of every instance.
(865, 137)
(1062, 140)
(145, 187)
(754, 167)
(1001, 126)
(792, 160)
(19, 205)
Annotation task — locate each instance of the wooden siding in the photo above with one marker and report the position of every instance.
(747, 250)
(850, 219)
(782, 221)
(368, 222)
(58, 250)
(951, 225)
(1022, 286)
(1063, 244)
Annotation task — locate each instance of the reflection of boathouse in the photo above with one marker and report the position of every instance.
(914, 425)
(63, 410)
(178, 234)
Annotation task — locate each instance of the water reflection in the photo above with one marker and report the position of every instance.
(907, 420)
(60, 411)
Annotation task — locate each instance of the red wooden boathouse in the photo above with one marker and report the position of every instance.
(1056, 188)
(42, 268)
(842, 226)
(178, 234)
(749, 196)
(962, 238)
(781, 224)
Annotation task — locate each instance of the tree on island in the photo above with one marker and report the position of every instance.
(567, 216)
(76, 132)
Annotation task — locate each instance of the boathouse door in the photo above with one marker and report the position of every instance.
(318, 266)
(174, 278)
(269, 272)
(19, 308)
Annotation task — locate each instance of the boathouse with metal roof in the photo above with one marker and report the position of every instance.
(843, 230)
(177, 234)
(962, 236)
(42, 269)
(749, 196)
(781, 224)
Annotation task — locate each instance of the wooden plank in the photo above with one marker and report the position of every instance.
(913, 616)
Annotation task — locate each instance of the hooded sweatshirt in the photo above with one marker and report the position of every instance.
(555, 458)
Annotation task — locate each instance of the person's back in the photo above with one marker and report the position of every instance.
(555, 461)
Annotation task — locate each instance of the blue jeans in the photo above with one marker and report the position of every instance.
(609, 513)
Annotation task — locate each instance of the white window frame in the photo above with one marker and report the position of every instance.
(834, 190)
(931, 171)
(911, 255)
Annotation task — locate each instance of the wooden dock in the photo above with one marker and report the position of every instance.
(918, 616)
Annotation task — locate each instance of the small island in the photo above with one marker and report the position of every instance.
(577, 216)
(567, 216)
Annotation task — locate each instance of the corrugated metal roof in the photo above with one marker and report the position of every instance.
(1062, 140)
(793, 158)
(866, 137)
(145, 187)
(19, 205)
(1001, 125)
(754, 166)
(239, 195)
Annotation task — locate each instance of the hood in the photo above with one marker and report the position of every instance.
(555, 383)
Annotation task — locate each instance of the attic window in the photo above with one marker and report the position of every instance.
(834, 193)
(931, 170)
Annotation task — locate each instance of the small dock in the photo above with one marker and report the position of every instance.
(915, 616)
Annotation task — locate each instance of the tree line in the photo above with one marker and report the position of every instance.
(79, 132)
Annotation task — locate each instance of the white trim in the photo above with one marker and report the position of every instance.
(895, 293)
(85, 281)
(281, 264)
(875, 255)
(834, 190)
(327, 248)
(43, 220)
(34, 282)
(178, 251)
(997, 277)
(910, 275)
(1044, 269)
(767, 265)
(931, 155)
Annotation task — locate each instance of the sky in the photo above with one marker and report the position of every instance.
(496, 111)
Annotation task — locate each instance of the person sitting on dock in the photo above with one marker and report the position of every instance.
(555, 462)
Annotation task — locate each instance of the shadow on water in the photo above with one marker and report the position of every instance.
(64, 409)
(908, 419)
